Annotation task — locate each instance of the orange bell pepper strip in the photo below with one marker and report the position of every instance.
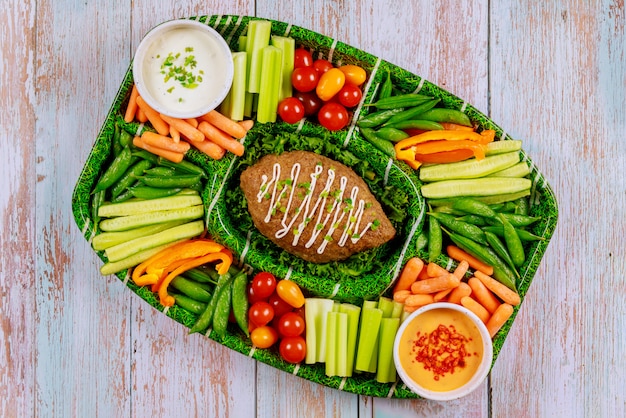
(165, 299)
(140, 269)
(431, 147)
(191, 249)
(445, 156)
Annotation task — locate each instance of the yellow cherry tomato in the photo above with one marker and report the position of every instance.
(330, 83)
(290, 293)
(354, 74)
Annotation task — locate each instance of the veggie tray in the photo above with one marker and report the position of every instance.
(394, 182)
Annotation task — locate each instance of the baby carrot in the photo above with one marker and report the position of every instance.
(158, 123)
(246, 124)
(175, 134)
(184, 128)
(441, 295)
(141, 115)
(210, 148)
(192, 121)
(409, 274)
(172, 156)
(507, 295)
(418, 300)
(459, 292)
(435, 270)
(218, 136)
(461, 269)
(224, 123)
(165, 142)
(499, 318)
(436, 284)
(131, 109)
(475, 307)
(483, 295)
(460, 255)
(401, 295)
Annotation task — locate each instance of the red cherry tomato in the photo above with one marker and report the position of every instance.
(290, 325)
(312, 103)
(280, 306)
(304, 79)
(291, 110)
(261, 313)
(302, 58)
(333, 116)
(252, 297)
(354, 74)
(290, 293)
(350, 95)
(264, 337)
(263, 284)
(322, 65)
(330, 83)
(293, 349)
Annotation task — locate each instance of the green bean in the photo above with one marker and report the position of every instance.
(462, 228)
(206, 318)
(147, 192)
(521, 233)
(473, 206)
(189, 304)
(381, 144)
(427, 125)
(240, 301)
(191, 289)
(513, 242)
(501, 250)
(186, 180)
(435, 238)
(115, 170)
(387, 87)
(402, 100)
(501, 271)
(129, 177)
(375, 119)
(391, 134)
(412, 112)
(440, 114)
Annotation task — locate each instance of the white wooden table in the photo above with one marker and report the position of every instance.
(73, 343)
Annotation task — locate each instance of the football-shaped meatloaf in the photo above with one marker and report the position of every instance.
(314, 207)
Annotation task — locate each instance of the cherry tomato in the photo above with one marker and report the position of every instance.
(261, 313)
(293, 349)
(263, 284)
(350, 95)
(280, 306)
(333, 116)
(264, 337)
(330, 83)
(322, 65)
(304, 79)
(291, 110)
(302, 58)
(312, 103)
(252, 297)
(354, 74)
(290, 293)
(290, 325)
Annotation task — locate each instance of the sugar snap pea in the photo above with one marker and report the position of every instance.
(240, 301)
(161, 171)
(518, 220)
(473, 206)
(117, 146)
(147, 192)
(412, 112)
(145, 155)
(501, 250)
(189, 304)
(522, 206)
(184, 165)
(96, 200)
(521, 233)
(130, 177)
(206, 318)
(462, 228)
(391, 134)
(115, 170)
(427, 125)
(203, 275)
(186, 180)
(381, 144)
(377, 118)
(122, 197)
(473, 219)
(386, 88)
(401, 100)
(192, 289)
(513, 242)
(441, 114)
(435, 238)
(222, 310)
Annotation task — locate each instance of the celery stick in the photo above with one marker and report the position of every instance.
(270, 82)
(288, 47)
(258, 37)
(238, 89)
(241, 46)
(386, 305)
(341, 344)
(128, 248)
(398, 308)
(133, 260)
(353, 312)
(138, 207)
(370, 304)
(124, 223)
(369, 326)
(315, 311)
(386, 371)
(249, 104)
(105, 240)
(331, 343)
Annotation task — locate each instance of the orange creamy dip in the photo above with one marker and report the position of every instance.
(441, 349)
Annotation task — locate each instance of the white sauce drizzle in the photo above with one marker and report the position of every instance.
(327, 205)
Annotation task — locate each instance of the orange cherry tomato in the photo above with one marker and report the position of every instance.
(354, 74)
(330, 83)
(290, 293)
(264, 337)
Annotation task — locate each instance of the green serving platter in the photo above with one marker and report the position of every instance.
(346, 281)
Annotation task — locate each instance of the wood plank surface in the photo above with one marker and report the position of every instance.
(75, 343)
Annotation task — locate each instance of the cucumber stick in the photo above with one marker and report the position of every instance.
(105, 240)
(126, 249)
(124, 223)
(137, 207)
(486, 186)
(500, 147)
(469, 168)
(133, 260)
(518, 170)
